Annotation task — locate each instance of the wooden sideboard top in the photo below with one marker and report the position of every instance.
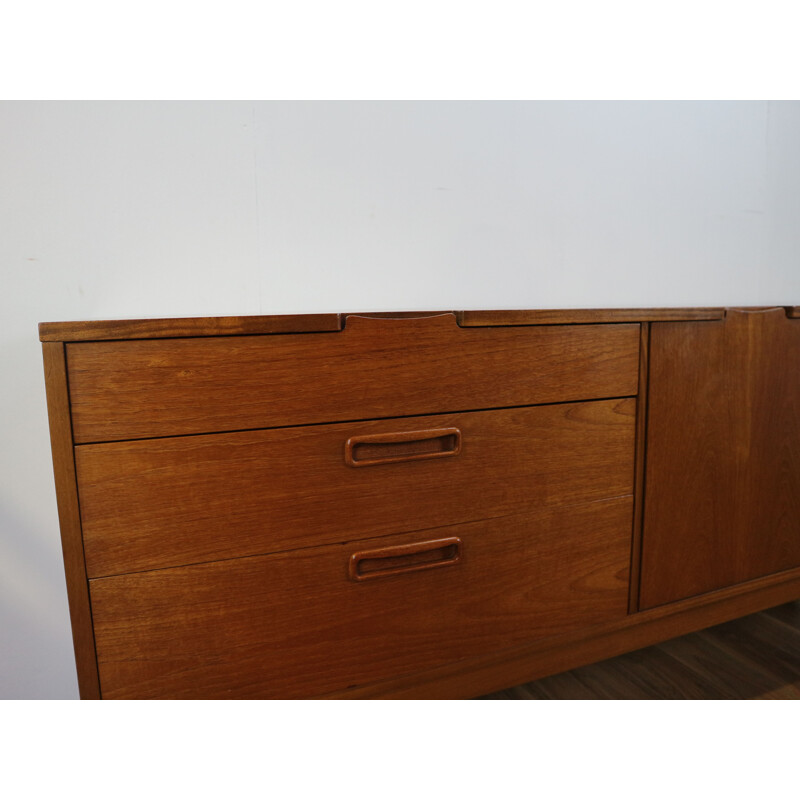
(100, 330)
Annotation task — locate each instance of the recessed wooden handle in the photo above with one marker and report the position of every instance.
(389, 448)
(403, 324)
(396, 560)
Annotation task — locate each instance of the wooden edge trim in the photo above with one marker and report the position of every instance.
(479, 676)
(474, 319)
(104, 330)
(69, 519)
(639, 467)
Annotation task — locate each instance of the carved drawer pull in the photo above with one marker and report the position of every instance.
(396, 560)
(388, 448)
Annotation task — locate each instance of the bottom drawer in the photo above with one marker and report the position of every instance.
(311, 621)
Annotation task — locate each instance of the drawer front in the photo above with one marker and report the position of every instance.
(167, 502)
(373, 368)
(298, 625)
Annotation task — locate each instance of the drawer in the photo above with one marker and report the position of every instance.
(167, 502)
(298, 624)
(374, 367)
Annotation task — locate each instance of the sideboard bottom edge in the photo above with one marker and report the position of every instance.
(480, 676)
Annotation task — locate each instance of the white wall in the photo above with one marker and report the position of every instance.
(117, 210)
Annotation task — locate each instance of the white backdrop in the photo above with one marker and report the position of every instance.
(120, 210)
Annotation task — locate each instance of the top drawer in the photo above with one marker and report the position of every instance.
(374, 367)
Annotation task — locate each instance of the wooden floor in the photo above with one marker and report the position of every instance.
(756, 657)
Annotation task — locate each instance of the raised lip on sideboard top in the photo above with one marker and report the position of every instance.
(104, 330)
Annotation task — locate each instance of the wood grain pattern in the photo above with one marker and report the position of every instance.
(69, 519)
(292, 624)
(756, 657)
(327, 587)
(485, 674)
(581, 316)
(639, 468)
(789, 614)
(730, 672)
(373, 368)
(723, 462)
(165, 502)
(102, 330)
(764, 641)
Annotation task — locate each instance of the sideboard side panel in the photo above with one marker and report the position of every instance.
(639, 468)
(69, 519)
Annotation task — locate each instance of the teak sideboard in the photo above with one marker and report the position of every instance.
(416, 505)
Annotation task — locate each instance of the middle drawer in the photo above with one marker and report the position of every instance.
(166, 502)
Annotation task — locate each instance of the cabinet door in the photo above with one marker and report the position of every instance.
(722, 497)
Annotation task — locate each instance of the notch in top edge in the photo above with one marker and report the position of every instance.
(790, 312)
(408, 320)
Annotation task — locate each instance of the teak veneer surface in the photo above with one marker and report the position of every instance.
(638, 482)
(481, 675)
(190, 326)
(373, 368)
(723, 460)
(69, 518)
(420, 504)
(104, 330)
(584, 316)
(166, 502)
(756, 657)
(292, 624)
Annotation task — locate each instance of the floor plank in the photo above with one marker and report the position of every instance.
(753, 658)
